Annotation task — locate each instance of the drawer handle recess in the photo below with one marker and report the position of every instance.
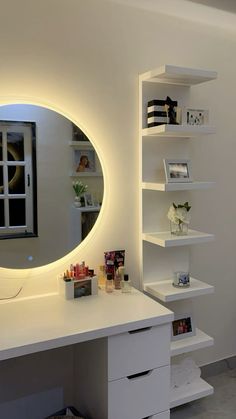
(139, 375)
(143, 329)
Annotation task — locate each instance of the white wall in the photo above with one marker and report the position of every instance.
(83, 58)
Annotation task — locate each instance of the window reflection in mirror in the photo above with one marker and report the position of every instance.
(44, 207)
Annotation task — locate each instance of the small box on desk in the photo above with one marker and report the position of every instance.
(76, 288)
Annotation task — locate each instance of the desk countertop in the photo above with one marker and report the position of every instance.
(39, 324)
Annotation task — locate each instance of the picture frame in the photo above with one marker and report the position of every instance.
(178, 170)
(84, 161)
(182, 327)
(88, 200)
(195, 117)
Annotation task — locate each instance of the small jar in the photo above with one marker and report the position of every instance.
(181, 280)
(109, 283)
(126, 284)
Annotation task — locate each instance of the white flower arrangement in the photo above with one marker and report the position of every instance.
(179, 214)
(79, 187)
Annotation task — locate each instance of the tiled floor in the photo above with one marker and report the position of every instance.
(221, 405)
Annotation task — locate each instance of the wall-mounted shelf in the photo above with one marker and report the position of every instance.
(183, 131)
(81, 144)
(190, 392)
(86, 174)
(165, 291)
(166, 239)
(170, 187)
(183, 76)
(199, 341)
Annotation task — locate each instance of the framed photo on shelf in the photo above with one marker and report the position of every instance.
(88, 200)
(84, 161)
(182, 327)
(177, 170)
(196, 117)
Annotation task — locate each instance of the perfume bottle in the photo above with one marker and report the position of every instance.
(101, 277)
(109, 283)
(126, 284)
(117, 280)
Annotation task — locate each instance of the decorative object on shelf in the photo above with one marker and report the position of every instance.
(77, 134)
(79, 189)
(194, 116)
(171, 112)
(182, 327)
(113, 260)
(84, 161)
(177, 170)
(160, 111)
(88, 200)
(181, 280)
(184, 373)
(179, 218)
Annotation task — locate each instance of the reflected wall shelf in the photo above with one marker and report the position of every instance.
(166, 239)
(81, 144)
(184, 131)
(190, 392)
(166, 292)
(181, 76)
(169, 187)
(199, 341)
(86, 174)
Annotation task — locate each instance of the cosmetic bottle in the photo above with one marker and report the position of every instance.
(126, 284)
(101, 277)
(109, 283)
(117, 280)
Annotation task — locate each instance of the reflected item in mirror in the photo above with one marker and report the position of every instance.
(60, 225)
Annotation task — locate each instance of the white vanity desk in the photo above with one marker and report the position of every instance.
(113, 351)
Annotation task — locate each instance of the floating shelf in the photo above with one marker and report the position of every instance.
(184, 131)
(166, 239)
(81, 144)
(165, 291)
(199, 341)
(183, 76)
(86, 174)
(190, 392)
(168, 187)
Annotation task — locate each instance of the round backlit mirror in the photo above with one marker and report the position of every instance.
(51, 186)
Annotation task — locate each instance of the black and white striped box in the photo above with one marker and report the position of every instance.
(156, 113)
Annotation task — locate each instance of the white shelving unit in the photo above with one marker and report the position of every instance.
(159, 249)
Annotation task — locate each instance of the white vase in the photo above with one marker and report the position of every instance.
(77, 202)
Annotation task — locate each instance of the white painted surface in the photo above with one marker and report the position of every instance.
(190, 392)
(165, 187)
(185, 131)
(179, 75)
(50, 322)
(166, 239)
(85, 62)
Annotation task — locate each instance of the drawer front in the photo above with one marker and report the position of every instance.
(139, 396)
(138, 350)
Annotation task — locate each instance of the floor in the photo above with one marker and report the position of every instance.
(221, 405)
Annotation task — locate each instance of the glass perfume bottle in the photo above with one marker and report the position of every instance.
(101, 277)
(117, 280)
(109, 283)
(126, 284)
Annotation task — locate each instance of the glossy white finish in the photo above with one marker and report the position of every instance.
(129, 353)
(50, 322)
(166, 239)
(200, 340)
(86, 145)
(140, 396)
(185, 131)
(165, 291)
(171, 74)
(190, 392)
(168, 187)
(162, 415)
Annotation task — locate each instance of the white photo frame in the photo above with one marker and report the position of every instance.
(178, 170)
(195, 117)
(182, 327)
(88, 200)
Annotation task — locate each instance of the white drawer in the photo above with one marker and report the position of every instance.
(139, 396)
(138, 350)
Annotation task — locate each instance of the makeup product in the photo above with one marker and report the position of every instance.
(126, 284)
(101, 277)
(109, 283)
(114, 259)
(181, 280)
(76, 288)
(117, 280)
